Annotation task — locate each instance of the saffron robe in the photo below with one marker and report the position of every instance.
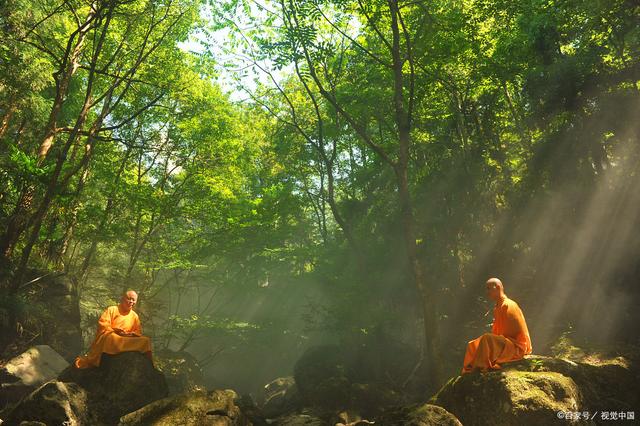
(508, 341)
(109, 342)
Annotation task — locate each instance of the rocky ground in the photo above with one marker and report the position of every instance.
(39, 387)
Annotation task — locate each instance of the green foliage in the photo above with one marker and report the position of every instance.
(172, 186)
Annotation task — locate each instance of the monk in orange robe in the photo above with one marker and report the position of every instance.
(119, 331)
(509, 338)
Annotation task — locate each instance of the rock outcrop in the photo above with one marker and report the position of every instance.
(535, 390)
(29, 370)
(215, 408)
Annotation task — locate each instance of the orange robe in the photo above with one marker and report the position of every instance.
(508, 341)
(108, 341)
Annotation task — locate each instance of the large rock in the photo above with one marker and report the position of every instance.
(532, 392)
(181, 370)
(24, 373)
(123, 383)
(54, 403)
(418, 415)
(215, 408)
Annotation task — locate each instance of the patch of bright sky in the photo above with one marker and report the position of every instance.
(234, 51)
(231, 51)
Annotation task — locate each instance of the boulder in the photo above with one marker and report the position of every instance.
(215, 408)
(532, 391)
(24, 373)
(418, 415)
(54, 403)
(181, 371)
(123, 383)
(280, 397)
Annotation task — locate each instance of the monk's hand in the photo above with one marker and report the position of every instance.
(119, 331)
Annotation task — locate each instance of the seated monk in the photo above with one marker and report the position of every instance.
(509, 338)
(119, 331)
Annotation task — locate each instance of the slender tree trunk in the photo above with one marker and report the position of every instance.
(403, 123)
(6, 118)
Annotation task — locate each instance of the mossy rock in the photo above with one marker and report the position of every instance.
(418, 415)
(215, 408)
(533, 390)
(510, 398)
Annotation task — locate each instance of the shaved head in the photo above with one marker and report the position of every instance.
(130, 293)
(128, 300)
(495, 289)
(495, 282)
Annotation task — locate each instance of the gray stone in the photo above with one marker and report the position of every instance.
(24, 373)
(35, 366)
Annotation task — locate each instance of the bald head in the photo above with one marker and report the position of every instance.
(495, 289)
(128, 300)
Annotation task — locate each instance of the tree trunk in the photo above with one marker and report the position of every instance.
(403, 124)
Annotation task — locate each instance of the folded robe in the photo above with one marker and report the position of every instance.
(508, 341)
(109, 342)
